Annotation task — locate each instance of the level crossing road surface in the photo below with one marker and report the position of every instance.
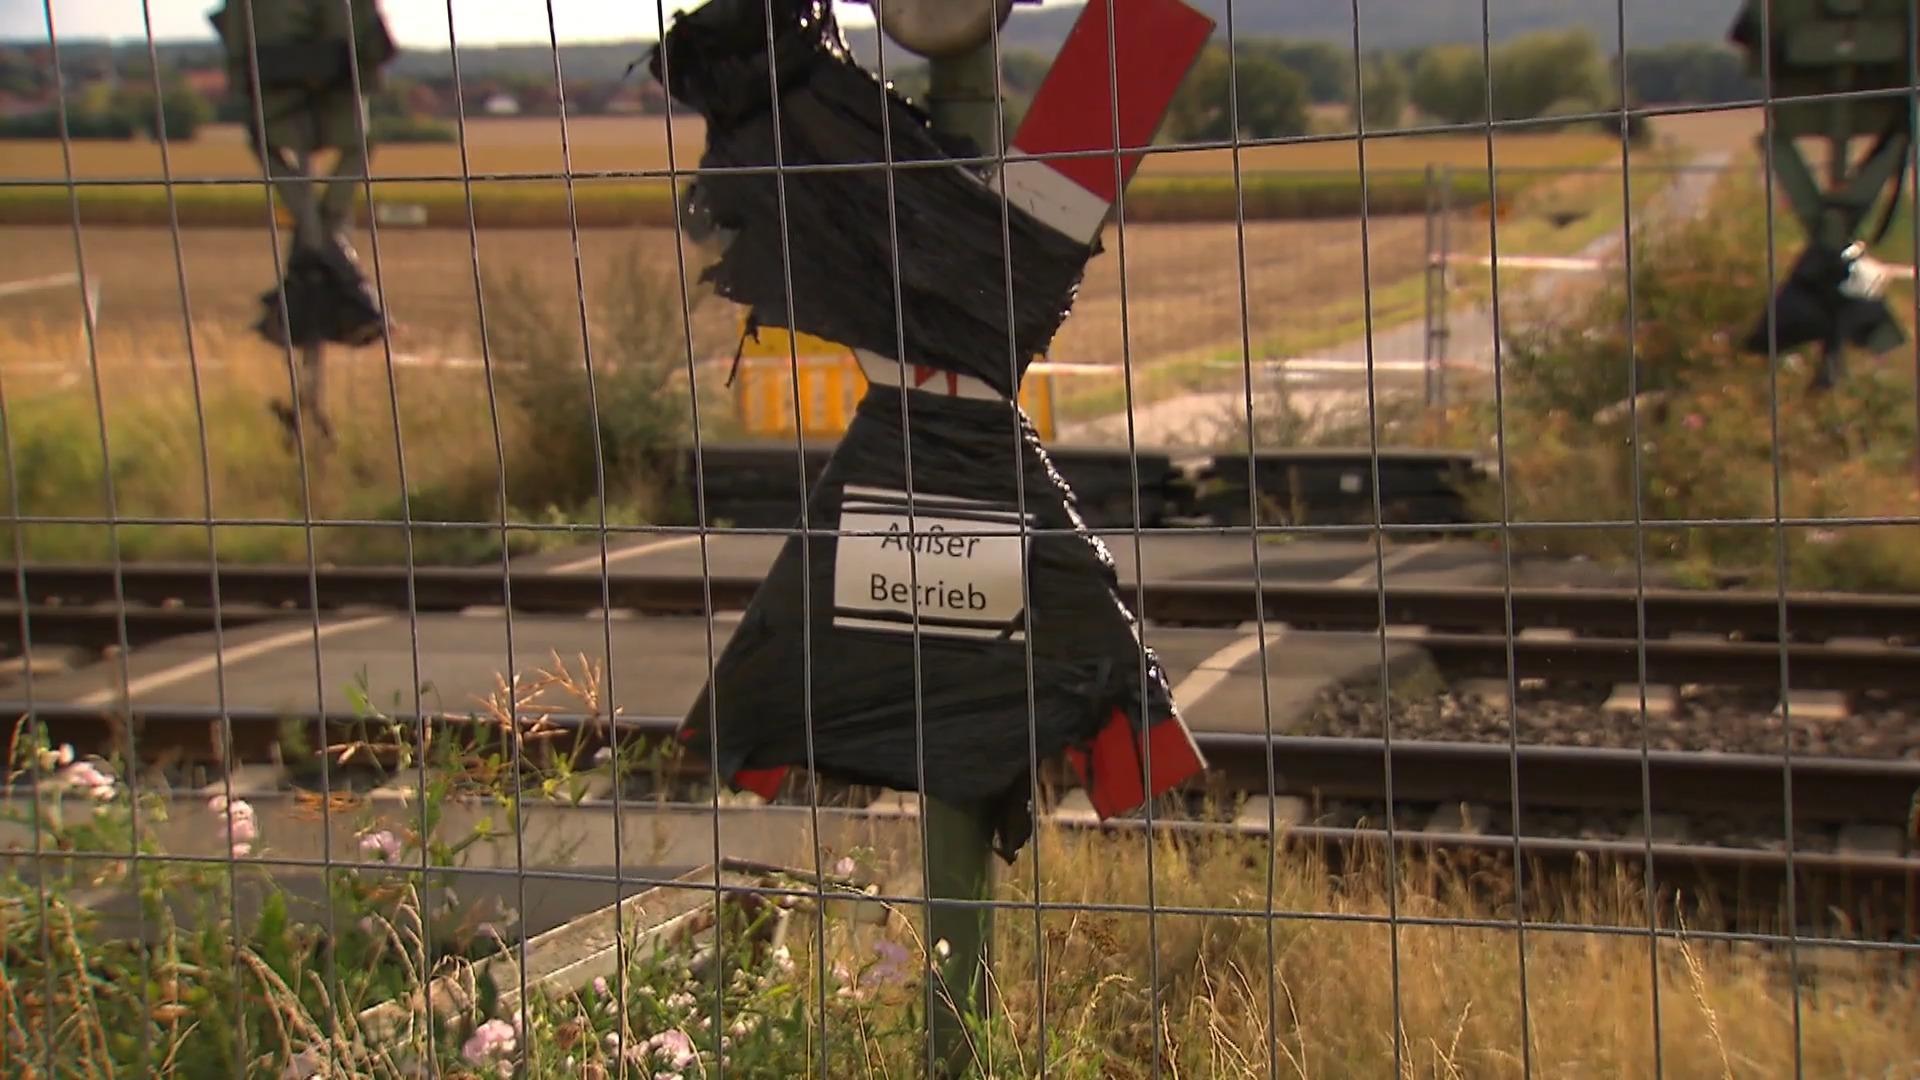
(660, 663)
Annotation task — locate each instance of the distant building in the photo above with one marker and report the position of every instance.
(14, 106)
(209, 83)
(501, 104)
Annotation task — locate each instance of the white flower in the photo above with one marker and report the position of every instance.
(493, 1039)
(64, 755)
(239, 815)
(383, 844)
(600, 985)
(783, 959)
(674, 1045)
(845, 867)
(97, 781)
(941, 949)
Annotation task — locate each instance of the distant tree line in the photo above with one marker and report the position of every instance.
(104, 111)
(1282, 85)
(1266, 88)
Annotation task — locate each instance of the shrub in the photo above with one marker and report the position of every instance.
(624, 427)
(1704, 429)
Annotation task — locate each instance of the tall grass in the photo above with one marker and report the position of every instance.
(455, 441)
(1252, 961)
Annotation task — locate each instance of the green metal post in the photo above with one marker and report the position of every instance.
(963, 98)
(959, 854)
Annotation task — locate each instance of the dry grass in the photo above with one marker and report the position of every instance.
(456, 442)
(1216, 991)
(427, 276)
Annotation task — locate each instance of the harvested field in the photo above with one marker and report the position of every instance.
(1182, 281)
(603, 144)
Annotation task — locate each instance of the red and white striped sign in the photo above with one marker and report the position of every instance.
(1154, 44)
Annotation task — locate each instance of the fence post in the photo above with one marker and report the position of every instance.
(963, 99)
(1442, 336)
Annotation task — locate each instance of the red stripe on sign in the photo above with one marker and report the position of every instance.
(1155, 43)
(1115, 777)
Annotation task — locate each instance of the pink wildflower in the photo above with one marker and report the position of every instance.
(383, 844)
(491, 1040)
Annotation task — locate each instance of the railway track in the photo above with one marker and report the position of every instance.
(1808, 617)
(1829, 641)
(1807, 641)
(1840, 895)
(1823, 789)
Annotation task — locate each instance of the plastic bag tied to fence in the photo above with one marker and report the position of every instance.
(826, 650)
(833, 236)
(947, 624)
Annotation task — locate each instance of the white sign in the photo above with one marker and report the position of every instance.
(955, 565)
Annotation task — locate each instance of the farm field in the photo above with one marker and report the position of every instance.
(1182, 284)
(1182, 280)
(640, 144)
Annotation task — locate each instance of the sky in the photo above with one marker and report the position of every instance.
(418, 23)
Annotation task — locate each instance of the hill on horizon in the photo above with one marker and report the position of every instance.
(1396, 25)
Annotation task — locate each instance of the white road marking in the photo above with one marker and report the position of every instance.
(200, 665)
(1214, 669)
(228, 657)
(592, 562)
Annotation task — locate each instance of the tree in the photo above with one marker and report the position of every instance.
(1549, 71)
(1449, 84)
(1326, 68)
(1689, 74)
(1268, 100)
(182, 109)
(1383, 93)
(1552, 71)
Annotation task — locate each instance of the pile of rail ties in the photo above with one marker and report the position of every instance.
(949, 619)
(328, 299)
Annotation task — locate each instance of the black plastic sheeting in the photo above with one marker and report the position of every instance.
(327, 299)
(967, 714)
(1813, 306)
(831, 234)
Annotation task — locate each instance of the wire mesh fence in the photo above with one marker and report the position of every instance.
(575, 594)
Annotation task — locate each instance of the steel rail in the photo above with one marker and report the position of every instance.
(1863, 897)
(1827, 789)
(1485, 655)
(1810, 616)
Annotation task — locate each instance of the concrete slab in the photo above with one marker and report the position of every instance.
(1661, 700)
(1166, 555)
(1260, 812)
(1827, 706)
(1300, 666)
(1460, 819)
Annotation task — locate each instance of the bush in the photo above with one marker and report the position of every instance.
(120, 115)
(1704, 427)
(627, 424)
(1267, 99)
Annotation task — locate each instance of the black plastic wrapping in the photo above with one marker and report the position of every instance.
(971, 702)
(947, 221)
(1812, 306)
(328, 299)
